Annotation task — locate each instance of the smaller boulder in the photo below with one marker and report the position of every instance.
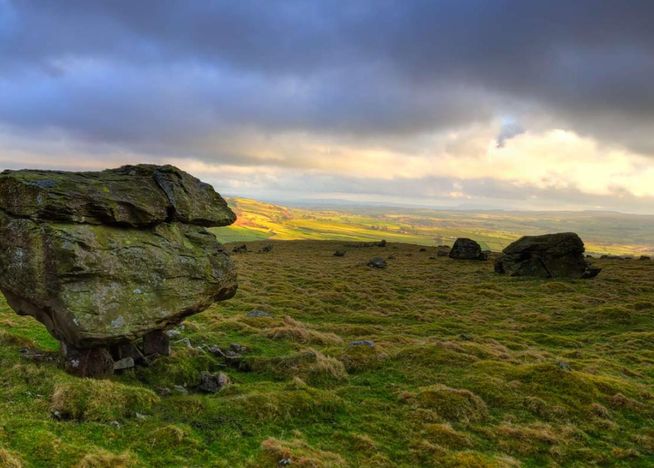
(645, 257)
(381, 243)
(265, 249)
(377, 262)
(213, 383)
(339, 253)
(467, 249)
(443, 250)
(240, 249)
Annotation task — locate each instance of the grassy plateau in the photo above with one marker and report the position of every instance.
(603, 232)
(429, 362)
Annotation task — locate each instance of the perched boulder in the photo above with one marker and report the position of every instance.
(105, 258)
(467, 249)
(548, 256)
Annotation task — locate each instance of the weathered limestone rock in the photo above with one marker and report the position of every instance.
(105, 258)
(548, 256)
(467, 249)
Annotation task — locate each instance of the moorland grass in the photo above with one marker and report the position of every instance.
(468, 368)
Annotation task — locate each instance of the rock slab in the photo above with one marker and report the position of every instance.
(558, 255)
(105, 258)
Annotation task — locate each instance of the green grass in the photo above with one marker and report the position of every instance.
(469, 368)
(604, 233)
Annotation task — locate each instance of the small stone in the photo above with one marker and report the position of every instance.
(173, 333)
(156, 342)
(164, 391)
(258, 313)
(56, 415)
(216, 351)
(237, 348)
(382, 243)
(339, 253)
(125, 363)
(180, 389)
(213, 383)
(266, 249)
(285, 462)
(140, 417)
(115, 424)
(368, 343)
(645, 257)
(465, 337)
(377, 262)
(422, 249)
(240, 249)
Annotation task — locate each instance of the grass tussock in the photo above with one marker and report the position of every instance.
(452, 404)
(100, 400)
(105, 459)
(310, 365)
(298, 332)
(296, 452)
(9, 459)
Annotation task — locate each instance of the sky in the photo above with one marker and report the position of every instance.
(464, 103)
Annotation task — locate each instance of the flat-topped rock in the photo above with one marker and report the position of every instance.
(137, 196)
(558, 255)
(106, 258)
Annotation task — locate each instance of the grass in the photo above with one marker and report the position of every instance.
(467, 368)
(603, 232)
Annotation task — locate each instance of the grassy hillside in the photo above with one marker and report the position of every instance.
(463, 368)
(604, 233)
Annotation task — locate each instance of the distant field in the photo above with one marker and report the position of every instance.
(603, 233)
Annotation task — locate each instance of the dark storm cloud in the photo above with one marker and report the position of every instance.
(149, 74)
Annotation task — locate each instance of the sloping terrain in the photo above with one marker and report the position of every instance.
(429, 362)
(603, 232)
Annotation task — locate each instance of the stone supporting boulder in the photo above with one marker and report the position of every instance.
(467, 249)
(548, 256)
(104, 259)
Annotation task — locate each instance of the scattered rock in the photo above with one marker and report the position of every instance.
(213, 383)
(465, 337)
(547, 256)
(467, 249)
(180, 389)
(216, 351)
(645, 257)
(238, 348)
(368, 343)
(37, 356)
(185, 342)
(104, 258)
(377, 262)
(125, 363)
(156, 342)
(173, 333)
(88, 362)
(381, 243)
(240, 249)
(422, 249)
(265, 249)
(339, 253)
(256, 313)
(563, 365)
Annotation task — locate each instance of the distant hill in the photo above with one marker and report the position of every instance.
(603, 232)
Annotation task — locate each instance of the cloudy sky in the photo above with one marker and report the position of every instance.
(462, 103)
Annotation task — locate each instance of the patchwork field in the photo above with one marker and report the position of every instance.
(429, 362)
(603, 232)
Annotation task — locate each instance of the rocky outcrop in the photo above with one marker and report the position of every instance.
(548, 256)
(467, 249)
(105, 258)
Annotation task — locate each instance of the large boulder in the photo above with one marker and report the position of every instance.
(548, 256)
(467, 249)
(105, 258)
